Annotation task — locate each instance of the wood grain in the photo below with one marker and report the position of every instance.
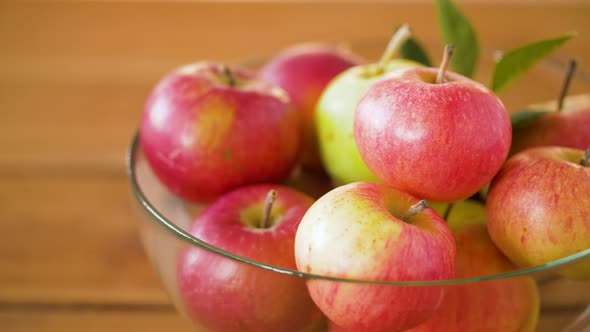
(73, 80)
(156, 321)
(92, 321)
(72, 239)
(74, 75)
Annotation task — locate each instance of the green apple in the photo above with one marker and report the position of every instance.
(335, 113)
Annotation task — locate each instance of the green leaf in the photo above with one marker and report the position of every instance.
(413, 50)
(457, 30)
(526, 117)
(518, 61)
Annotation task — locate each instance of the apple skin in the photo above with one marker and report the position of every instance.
(442, 142)
(203, 137)
(223, 295)
(539, 208)
(334, 121)
(304, 70)
(503, 305)
(568, 128)
(351, 233)
(507, 305)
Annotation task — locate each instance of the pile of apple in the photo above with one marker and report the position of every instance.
(393, 136)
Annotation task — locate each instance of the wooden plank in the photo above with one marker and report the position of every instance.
(160, 320)
(72, 239)
(230, 29)
(74, 75)
(563, 293)
(93, 321)
(52, 126)
(567, 321)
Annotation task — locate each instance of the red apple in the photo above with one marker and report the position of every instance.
(568, 127)
(539, 207)
(364, 231)
(207, 130)
(303, 71)
(564, 122)
(507, 305)
(223, 295)
(439, 141)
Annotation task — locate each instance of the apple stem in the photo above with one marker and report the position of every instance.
(414, 210)
(571, 68)
(271, 196)
(401, 35)
(448, 212)
(231, 80)
(586, 159)
(447, 54)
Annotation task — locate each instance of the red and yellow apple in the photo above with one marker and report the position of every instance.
(363, 231)
(207, 129)
(224, 295)
(538, 207)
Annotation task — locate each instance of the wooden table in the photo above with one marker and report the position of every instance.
(73, 80)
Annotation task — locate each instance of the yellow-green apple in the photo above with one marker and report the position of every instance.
(370, 231)
(335, 113)
(435, 134)
(507, 305)
(223, 295)
(207, 129)
(461, 213)
(563, 122)
(538, 207)
(304, 70)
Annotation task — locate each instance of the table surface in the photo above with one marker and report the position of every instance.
(73, 80)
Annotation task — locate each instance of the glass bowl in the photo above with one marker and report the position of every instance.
(164, 220)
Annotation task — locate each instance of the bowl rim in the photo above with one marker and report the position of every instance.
(182, 235)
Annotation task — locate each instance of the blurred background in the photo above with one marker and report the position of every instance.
(73, 80)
